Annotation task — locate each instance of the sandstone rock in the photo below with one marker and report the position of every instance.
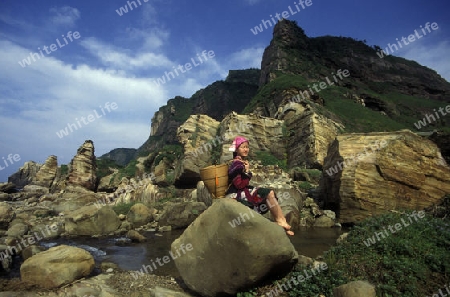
(180, 215)
(310, 134)
(140, 189)
(198, 136)
(165, 229)
(49, 230)
(30, 251)
(342, 238)
(90, 220)
(17, 230)
(264, 134)
(136, 236)
(25, 174)
(71, 201)
(57, 266)
(47, 173)
(6, 215)
(83, 166)
(324, 222)
(5, 259)
(355, 289)
(7, 187)
(382, 171)
(203, 195)
(36, 191)
(4, 197)
(139, 215)
(231, 258)
(161, 174)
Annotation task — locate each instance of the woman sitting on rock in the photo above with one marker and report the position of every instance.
(259, 199)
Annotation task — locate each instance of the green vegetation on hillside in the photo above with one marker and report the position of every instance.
(170, 153)
(402, 111)
(104, 165)
(127, 171)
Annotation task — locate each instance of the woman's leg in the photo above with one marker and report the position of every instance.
(277, 213)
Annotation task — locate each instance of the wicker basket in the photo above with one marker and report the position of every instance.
(215, 178)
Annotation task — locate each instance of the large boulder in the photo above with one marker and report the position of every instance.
(47, 173)
(70, 201)
(368, 174)
(6, 215)
(83, 166)
(355, 289)
(25, 175)
(234, 248)
(139, 215)
(264, 134)
(57, 266)
(91, 220)
(180, 215)
(197, 135)
(310, 134)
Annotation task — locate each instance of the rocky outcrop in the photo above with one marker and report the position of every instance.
(368, 174)
(7, 187)
(161, 173)
(91, 220)
(312, 216)
(292, 52)
(82, 168)
(198, 136)
(180, 215)
(47, 173)
(139, 215)
(222, 241)
(6, 215)
(57, 266)
(309, 134)
(25, 175)
(264, 134)
(275, 57)
(70, 201)
(355, 289)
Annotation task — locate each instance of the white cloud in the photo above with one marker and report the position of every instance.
(121, 59)
(436, 57)
(248, 58)
(65, 15)
(41, 99)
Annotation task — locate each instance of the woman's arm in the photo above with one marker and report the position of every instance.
(240, 182)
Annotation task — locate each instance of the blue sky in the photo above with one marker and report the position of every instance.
(116, 60)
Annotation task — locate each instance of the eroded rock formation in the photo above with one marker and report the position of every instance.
(368, 174)
(47, 173)
(82, 168)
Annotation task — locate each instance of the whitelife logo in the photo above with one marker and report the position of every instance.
(188, 66)
(411, 38)
(11, 159)
(35, 56)
(284, 15)
(90, 118)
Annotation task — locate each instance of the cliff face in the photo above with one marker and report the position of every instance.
(292, 52)
(216, 100)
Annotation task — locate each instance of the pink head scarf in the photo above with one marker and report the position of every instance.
(238, 140)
